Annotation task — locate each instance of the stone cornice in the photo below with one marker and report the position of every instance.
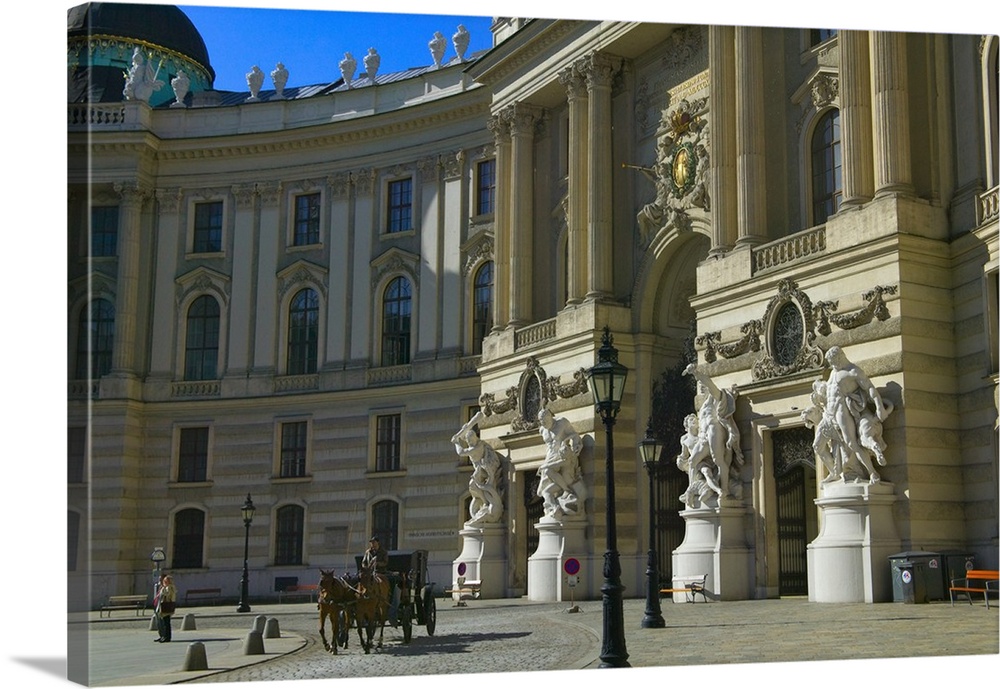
(360, 130)
(543, 36)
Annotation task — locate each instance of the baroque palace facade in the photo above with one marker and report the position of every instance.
(301, 293)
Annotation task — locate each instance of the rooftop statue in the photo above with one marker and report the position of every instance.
(372, 61)
(280, 77)
(437, 46)
(460, 39)
(141, 81)
(255, 79)
(181, 84)
(347, 68)
(487, 503)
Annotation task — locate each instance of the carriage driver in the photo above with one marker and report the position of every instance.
(376, 559)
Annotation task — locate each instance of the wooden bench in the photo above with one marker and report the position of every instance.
(964, 585)
(473, 589)
(137, 603)
(202, 595)
(308, 590)
(692, 587)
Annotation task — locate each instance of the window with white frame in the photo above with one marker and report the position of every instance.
(189, 539)
(192, 455)
(207, 237)
(827, 185)
(486, 186)
(294, 449)
(103, 231)
(396, 322)
(385, 523)
(399, 208)
(289, 531)
(482, 305)
(388, 442)
(303, 332)
(95, 340)
(201, 351)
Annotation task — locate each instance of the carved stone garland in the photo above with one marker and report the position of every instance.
(793, 322)
(533, 392)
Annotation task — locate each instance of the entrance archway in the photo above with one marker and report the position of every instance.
(794, 465)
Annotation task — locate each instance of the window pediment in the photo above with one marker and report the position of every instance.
(200, 280)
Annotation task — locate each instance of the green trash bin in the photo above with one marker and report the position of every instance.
(912, 574)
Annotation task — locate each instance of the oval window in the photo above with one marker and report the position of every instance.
(786, 338)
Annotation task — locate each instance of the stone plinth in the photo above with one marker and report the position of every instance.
(849, 560)
(714, 544)
(557, 540)
(484, 559)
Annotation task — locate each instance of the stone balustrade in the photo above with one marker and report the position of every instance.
(789, 249)
(986, 208)
(535, 334)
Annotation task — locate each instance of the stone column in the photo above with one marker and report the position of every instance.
(523, 119)
(364, 224)
(265, 356)
(164, 316)
(750, 120)
(890, 114)
(577, 157)
(500, 127)
(338, 315)
(127, 299)
(599, 70)
(242, 314)
(722, 126)
(856, 118)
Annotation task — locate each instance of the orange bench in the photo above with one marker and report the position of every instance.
(309, 590)
(692, 587)
(964, 585)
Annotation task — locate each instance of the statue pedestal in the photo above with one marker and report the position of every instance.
(849, 560)
(714, 544)
(483, 557)
(556, 541)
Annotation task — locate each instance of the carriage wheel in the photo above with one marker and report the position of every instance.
(430, 610)
(406, 616)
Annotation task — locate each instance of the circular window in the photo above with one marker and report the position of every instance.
(787, 335)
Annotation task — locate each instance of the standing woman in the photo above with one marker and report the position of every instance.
(166, 602)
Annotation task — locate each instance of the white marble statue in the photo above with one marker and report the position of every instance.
(437, 47)
(255, 80)
(460, 39)
(181, 84)
(347, 68)
(696, 461)
(560, 480)
(846, 414)
(141, 81)
(279, 76)
(372, 61)
(718, 434)
(487, 503)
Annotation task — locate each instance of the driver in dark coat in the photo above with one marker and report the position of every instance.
(375, 559)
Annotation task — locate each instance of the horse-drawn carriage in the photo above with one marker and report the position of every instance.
(404, 597)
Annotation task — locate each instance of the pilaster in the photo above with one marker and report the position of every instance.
(856, 118)
(577, 268)
(890, 114)
(722, 125)
(750, 169)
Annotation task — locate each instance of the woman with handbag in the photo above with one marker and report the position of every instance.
(165, 602)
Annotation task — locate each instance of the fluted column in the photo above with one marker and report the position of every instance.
(856, 118)
(501, 218)
(722, 125)
(890, 114)
(599, 70)
(127, 284)
(576, 221)
(750, 172)
(523, 119)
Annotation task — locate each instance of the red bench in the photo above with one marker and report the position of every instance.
(965, 585)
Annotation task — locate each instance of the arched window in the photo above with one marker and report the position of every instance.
(189, 538)
(396, 306)
(385, 523)
(288, 535)
(827, 187)
(201, 354)
(95, 340)
(482, 306)
(303, 332)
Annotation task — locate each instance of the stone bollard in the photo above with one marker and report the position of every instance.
(271, 630)
(258, 623)
(253, 644)
(196, 658)
(188, 623)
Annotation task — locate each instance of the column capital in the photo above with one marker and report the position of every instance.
(499, 127)
(340, 184)
(269, 192)
(598, 69)
(132, 193)
(244, 195)
(169, 199)
(364, 181)
(523, 118)
(574, 81)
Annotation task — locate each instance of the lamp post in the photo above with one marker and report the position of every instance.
(247, 511)
(607, 382)
(649, 450)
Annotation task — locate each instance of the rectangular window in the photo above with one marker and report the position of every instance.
(104, 231)
(387, 442)
(400, 210)
(208, 227)
(77, 453)
(289, 535)
(192, 458)
(306, 220)
(486, 186)
(293, 449)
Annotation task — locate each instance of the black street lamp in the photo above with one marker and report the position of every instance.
(247, 511)
(607, 382)
(649, 450)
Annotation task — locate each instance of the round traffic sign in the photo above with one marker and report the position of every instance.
(461, 569)
(572, 565)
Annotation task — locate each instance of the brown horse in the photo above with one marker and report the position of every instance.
(372, 607)
(337, 599)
